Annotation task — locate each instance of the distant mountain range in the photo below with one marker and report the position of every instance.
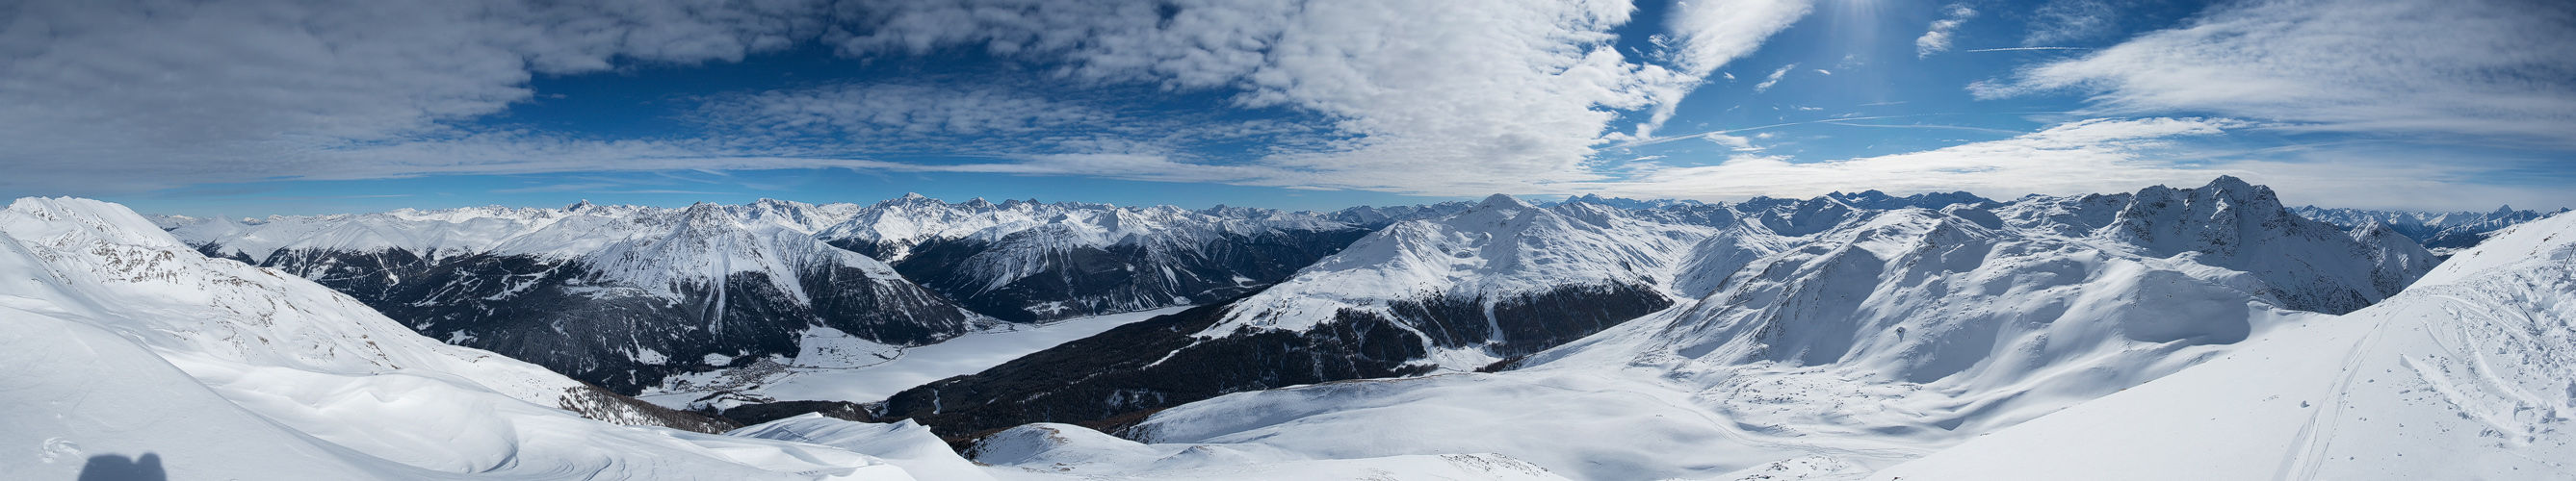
(1590, 338)
(2443, 232)
(626, 297)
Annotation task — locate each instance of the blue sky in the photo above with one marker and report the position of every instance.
(255, 107)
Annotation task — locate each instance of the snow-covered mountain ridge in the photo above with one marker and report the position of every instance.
(627, 296)
(1460, 292)
(2443, 232)
(2466, 375)
(620, 296)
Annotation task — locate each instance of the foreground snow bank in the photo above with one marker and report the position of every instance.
(1050, 452)
(124, 342)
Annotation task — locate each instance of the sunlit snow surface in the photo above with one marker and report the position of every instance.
(842, 376)
(2470, 374)
(1060, 452)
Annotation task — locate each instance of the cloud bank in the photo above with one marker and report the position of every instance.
(2491, 69)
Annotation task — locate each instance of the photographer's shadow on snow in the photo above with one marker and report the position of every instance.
(116, 467)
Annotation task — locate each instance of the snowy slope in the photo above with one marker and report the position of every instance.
(1472, 282)
(2464, 376)
(127, 342)
(1064, 452)
(1880, 338)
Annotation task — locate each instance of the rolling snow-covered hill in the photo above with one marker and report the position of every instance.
(2467, 375)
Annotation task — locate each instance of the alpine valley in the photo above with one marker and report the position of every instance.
(2207, 332)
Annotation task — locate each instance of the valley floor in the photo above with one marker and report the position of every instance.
(909, 367)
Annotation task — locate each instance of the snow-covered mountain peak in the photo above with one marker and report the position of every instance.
(1508, 270)
(1502, 201)
(2214, 219)
(705, 215)
(1626, 203)
(67, 221)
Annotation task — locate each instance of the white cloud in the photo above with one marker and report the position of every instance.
(1936, 39)
(2065, 20)
(1413, 96)
(2081, 157)
(1713, 33)
(2488, 69)
(2110, 156)
(119, 95)
(1774, 78)
(1740, 144)
(880, 111)
(1452, 98)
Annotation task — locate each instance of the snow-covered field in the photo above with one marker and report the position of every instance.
(863, 383)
